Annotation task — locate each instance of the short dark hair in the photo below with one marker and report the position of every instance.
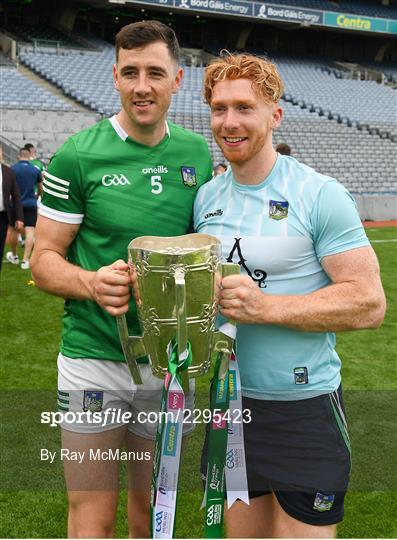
(29, 146)
(284, 149)
(143, 33)
(23, 151)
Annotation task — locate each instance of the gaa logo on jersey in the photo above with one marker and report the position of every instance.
(189, 176)
(93, 400)
(115, 180)
(278, 209)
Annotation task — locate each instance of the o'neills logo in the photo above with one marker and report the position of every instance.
(160, 169)
(218, 212)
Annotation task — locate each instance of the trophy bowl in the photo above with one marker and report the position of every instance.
(178, 279)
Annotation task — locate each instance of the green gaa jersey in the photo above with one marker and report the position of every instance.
(38, 164)
(117, 189)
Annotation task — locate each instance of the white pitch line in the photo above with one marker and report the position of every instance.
(383, 241)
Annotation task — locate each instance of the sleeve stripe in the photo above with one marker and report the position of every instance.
(55, 193)
(51, 185)
(57, 215)
(56, 179)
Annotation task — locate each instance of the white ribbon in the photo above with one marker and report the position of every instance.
(229, 329)
(167, 480)
(235, 465)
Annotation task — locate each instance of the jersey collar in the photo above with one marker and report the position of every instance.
(123, 134)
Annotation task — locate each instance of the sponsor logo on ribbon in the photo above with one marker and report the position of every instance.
(221, 391)
(171, 439)
(214, 514)
(162, 520)
(232, 385)
(219, 422)
(175, 400)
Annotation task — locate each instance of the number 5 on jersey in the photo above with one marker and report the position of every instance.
(157, 186)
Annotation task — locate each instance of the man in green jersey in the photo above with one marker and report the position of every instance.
(34, 160)
(131, 175)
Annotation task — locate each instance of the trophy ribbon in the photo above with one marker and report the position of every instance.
(235, 470)
(226, 454)
(168, 445)
(214, 496)
(167, 454)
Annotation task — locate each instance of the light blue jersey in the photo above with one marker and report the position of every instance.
(278, 231)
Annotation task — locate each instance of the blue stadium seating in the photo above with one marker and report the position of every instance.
(17, 91)
(331, 122)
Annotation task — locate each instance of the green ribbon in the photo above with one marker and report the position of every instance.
(217, 446)
(174, 369)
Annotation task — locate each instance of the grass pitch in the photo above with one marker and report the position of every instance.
(33, 503)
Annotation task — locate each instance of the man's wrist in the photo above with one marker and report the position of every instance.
(86, 279)
(269, 309)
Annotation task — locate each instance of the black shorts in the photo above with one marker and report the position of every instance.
(300, 451)
(30, 216)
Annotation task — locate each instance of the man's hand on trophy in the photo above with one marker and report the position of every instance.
(134, 283)
(241, 300)
(111, 288)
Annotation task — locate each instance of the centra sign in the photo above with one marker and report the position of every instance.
(353, 22)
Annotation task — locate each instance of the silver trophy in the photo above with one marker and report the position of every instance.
(178, 279)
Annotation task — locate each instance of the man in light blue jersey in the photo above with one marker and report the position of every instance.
(307, 271)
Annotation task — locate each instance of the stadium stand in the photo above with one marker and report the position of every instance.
(354, 102)
(17, 91)
(364, 163)
(334, 113)
(86, 77)
(47, 130)
(40, 35)
(388, 69)
(4, 61)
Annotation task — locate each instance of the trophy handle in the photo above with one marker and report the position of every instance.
(180, 302)
(224, 338)
(133, 348)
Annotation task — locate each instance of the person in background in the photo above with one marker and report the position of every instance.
(11, 211)
(308, 271)
(29, 180)
(219, 169)
(284, 149)
(33, 157)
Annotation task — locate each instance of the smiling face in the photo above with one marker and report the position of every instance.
(146, 77)
(241, 121)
